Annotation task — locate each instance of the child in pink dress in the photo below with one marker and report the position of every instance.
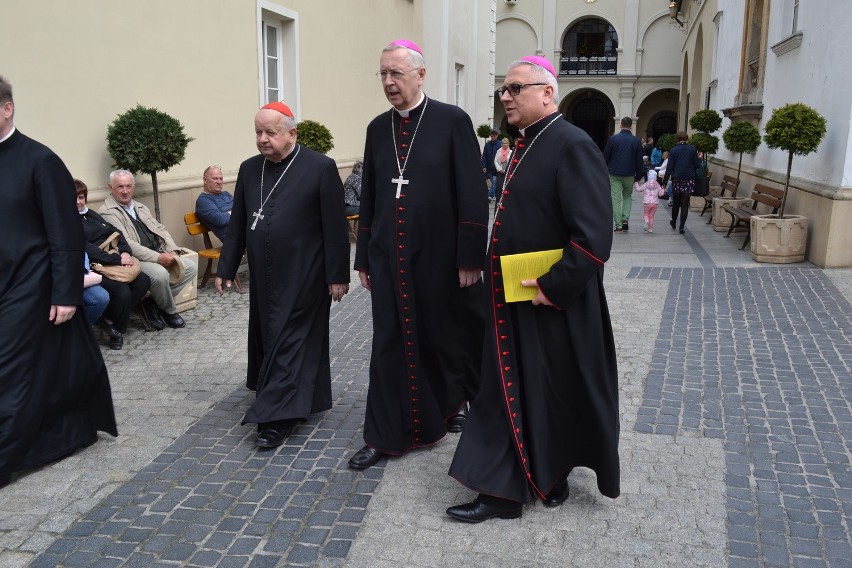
(651, 191)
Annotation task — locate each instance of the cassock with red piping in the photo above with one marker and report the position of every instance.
(548, 401)
(427, 331)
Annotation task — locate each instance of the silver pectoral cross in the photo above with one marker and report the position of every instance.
(257, 216)
(400, 181)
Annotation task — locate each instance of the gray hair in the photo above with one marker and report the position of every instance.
(414, 58)
(288, 122)
(115, 173)
(213, 167)
(540, 74)
(5, 91)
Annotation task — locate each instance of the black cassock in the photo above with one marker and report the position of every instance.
(298, 248)
(427, 331)
(549, 395)
(54, 388)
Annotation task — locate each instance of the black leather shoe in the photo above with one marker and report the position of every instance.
(558, 494)
(456, 423)
(681, 231)
(109, 329)
(625, 226)
(153, 314)
(478, 511)
(173, 320)
(272, 437)
(672, 223)
(116, 343)
(366, 457)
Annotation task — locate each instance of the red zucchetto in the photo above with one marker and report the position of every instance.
(280, 107)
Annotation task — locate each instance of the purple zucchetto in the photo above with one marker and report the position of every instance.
(407, 43)
(541, 62)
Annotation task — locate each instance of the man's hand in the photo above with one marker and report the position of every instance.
(337, 291)
(61, 314)
(166, 259)
(468, 276)
(364, 277)
(219, 281)
(540, 299)
(126, 259)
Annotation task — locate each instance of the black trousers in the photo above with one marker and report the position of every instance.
(680, 202)
(122, 297)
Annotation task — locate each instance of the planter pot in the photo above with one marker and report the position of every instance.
(696, 203)
(721, 218)
(779, 241)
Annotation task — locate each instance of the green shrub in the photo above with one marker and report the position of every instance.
(741, 137)
(667, 142)
(313, 135)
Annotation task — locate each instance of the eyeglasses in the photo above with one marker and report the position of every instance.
(515, 88)
(394, 74)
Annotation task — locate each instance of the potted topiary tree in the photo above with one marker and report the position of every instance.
(741, 137)
(667, 142)
(147, 140)
(313, 135)
(798, 129)
(483, 131)
(704, 122)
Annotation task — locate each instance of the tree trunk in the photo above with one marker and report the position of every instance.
(786, 186)
(156, 196)
(739, 169)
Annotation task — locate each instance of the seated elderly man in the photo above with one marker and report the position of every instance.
(151, 243)
(213, 206)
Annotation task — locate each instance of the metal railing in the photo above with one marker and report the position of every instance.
(588, 65)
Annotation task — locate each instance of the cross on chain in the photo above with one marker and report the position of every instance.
(257, 216)
(400, 181)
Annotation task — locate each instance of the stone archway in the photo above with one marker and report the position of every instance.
(591, 111)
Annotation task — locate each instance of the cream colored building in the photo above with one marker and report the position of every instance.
(615, 58)
(76, 65)
(748, 57)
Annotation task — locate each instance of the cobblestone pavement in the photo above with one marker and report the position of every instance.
(736, 434)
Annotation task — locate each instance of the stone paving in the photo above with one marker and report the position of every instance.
(735, 446)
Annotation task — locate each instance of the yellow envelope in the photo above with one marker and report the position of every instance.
(525, 266)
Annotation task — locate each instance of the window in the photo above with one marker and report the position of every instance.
(795, 16)
(272, 70)
(590, 47)
(277, 55)
(458, 91)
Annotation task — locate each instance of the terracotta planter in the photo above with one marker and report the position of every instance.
(780, 241)
(721, 218)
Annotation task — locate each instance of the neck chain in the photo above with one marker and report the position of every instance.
(515, 169)
(258, 214)
(399, 166)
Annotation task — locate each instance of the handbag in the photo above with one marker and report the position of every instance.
(119, 273)
(702, 186)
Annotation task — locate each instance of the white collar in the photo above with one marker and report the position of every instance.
(406, 112)
(8, 135)
(84, 211)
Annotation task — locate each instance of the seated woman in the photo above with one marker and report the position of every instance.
(123, 296)
(95, 298)
(352, 190)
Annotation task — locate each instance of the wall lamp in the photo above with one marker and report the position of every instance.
(674, 8)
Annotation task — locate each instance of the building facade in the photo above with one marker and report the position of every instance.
(745, 58)
(75, 66)
(615, 58)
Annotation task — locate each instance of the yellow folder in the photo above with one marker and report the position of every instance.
(525, 266)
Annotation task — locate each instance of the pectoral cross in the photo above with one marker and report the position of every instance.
(257, 216)
(400, 181)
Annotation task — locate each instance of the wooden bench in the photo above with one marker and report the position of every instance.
(211, 253)
(353, 227)
(769, 196)
(729, 184)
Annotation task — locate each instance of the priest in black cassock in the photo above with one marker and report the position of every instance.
(289, 217)
(420, 250)
(54, 388)
(549, 396)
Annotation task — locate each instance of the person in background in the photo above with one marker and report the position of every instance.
(681, 169)
(501, 161)
(623, 155)
(651, 193)
(352, 189)
(488, 152)
(213, 206)
(95, 298)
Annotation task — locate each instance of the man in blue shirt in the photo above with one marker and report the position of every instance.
(213, 206)
(623, 155)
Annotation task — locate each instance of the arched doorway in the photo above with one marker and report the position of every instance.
(664, 122)
(593, 112)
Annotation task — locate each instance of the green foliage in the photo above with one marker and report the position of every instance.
(741, 137)
(146, 140)
(707, 121)
(704, 142)
(796, 128)
(313, 135)
(483, 130)
(667, 142)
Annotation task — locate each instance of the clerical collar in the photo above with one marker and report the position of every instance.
(285, 158)
(537, 126)
(8, 135)
(405, 113)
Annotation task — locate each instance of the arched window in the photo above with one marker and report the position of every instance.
(590, 47)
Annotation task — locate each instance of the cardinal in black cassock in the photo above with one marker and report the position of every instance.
(548, 401)
(54, 387)
(289, 217)
(420, 250)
